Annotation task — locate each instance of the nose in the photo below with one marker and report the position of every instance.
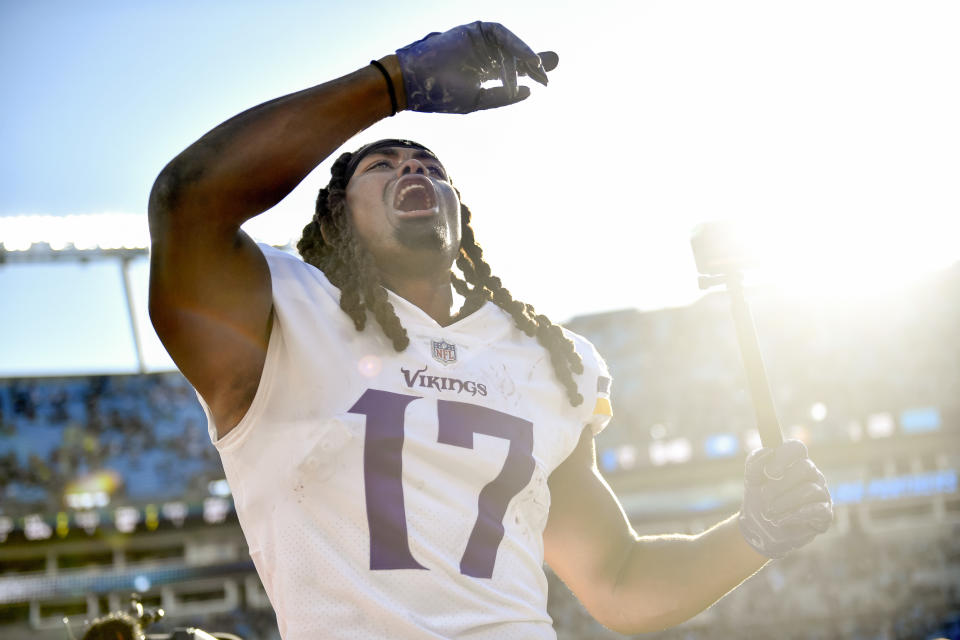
(412, 165)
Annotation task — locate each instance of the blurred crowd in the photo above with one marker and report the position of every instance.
(137, 438)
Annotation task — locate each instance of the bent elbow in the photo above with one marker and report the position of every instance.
(165, 193)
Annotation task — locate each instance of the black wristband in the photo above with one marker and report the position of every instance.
(390, 89)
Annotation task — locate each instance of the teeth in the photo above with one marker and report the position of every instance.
(409, 188)
(414, 196)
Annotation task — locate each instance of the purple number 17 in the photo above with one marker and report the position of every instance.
(382, 466)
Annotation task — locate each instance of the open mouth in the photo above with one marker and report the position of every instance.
(414, 194)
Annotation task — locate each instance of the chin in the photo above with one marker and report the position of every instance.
(428, 238)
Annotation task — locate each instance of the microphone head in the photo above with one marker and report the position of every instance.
(719, 247)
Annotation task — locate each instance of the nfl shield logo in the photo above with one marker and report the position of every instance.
(444, 352)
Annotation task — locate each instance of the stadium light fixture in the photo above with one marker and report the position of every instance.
(881, 425)
(818, 412)
(83, 232)
(91, 232)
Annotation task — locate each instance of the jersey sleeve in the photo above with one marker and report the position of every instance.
(595, 385)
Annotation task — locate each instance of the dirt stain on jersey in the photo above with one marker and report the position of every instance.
(532, 506)
(330, 440)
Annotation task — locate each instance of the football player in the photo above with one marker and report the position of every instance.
(401, 468)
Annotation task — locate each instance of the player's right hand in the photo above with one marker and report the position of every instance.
(786, 503)
(442, 72)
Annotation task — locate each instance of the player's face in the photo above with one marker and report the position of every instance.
(404, 209)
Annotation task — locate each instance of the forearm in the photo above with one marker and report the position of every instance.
(249, 163)
(668, 579)
(636, 584)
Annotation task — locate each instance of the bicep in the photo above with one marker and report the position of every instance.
(588, 536)
(210, 303)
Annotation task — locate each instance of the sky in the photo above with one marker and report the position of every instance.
(826, 129)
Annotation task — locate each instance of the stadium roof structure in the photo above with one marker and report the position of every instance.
(39, 238)
(43, 252)
(86, 238)
(81, 232)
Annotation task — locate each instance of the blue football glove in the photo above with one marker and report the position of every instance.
(786, 503)
(442, 72)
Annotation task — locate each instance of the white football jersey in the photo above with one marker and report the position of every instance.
(402, 495)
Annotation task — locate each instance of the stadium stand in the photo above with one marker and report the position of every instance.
(108, 484)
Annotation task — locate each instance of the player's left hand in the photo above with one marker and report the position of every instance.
(786, 503)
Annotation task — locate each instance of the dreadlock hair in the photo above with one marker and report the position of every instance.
(350, 267)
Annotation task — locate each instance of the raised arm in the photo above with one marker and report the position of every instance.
(210, 292)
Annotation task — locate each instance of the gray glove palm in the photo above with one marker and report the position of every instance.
(786, 503)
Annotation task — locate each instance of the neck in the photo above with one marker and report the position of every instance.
(432, 294)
